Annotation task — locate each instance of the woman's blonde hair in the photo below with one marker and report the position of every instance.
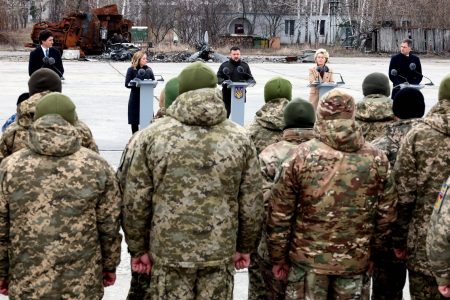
(136, 58)
(324, 52)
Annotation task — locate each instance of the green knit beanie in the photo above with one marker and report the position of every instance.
(56, 103)
(196, 76)
(171, 91)
(299, 113)
(444, 88)
(376, 83)
(277, 87)
(44, 80)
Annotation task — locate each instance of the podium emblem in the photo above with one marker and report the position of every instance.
(239, 92)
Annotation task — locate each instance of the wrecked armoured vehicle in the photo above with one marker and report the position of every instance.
(90, 32)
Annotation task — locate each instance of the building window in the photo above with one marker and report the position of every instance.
(289, 27)
(320, 26)
(239, 28)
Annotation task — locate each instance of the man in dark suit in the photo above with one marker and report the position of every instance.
(402, 62)
(44, 56)
(235, 74)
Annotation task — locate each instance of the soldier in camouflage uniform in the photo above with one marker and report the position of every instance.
(140, 282)
(59, 212)
(194, 186)
(423, 163)
(267, 127)
(15, 137)
(332, 206)
(374, 112)
(299, 118)
(438, 245)
(389, 272)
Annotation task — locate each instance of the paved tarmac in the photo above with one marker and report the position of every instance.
(98, 90)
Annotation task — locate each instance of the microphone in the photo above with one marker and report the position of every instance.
(240, 70)
(148, 74)
(141, 74)
(50, 61)
(319, 69)
(412, 67)
(394, 73)
(226, 72)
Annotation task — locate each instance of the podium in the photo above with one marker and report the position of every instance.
(414, 86)
(324, 87)
(238, 94)
(146, 88)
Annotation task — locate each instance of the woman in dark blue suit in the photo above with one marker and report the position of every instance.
(139, 61)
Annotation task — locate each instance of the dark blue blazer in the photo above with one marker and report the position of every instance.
(36, 61)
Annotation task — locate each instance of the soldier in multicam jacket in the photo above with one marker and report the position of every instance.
(59, 212)
(331, 207)
(194, 185)
(389, 272)
(267, 128)
(423, 163)
(15, 137)
(374, 112)
(299, 119)
(438, 237)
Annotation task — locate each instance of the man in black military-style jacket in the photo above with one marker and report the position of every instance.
(53, 58)
(402, 63)
(234, 75)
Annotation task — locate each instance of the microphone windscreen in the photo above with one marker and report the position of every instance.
(412, 66)
(148, 73)
(319, 69)
(45, 60)
(51, 60)
(325, 69)
(226, 71)
(240, 69)
(394, 72)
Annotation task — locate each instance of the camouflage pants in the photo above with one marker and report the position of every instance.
(303, 284)
(262, 283)
(139, 286)
(388, 277)
(169, 283)
(423, 287)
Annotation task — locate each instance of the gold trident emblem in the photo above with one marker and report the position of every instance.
(238, 92)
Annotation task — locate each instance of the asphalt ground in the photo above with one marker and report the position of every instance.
(97, 88)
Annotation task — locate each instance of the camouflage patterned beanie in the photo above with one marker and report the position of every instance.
(276, 88)
(44, 80)
(299, 113)
(171, 91)
(56, 103)
(196, 76)
(336, 104)
(376, 83)
(408, 103)
(444, 88)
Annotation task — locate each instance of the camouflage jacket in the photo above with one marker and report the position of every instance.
(334, 201)
(438, 245)
(271, 160)
(423, 163)
(391, 140)
(267, 128)
(59, 216)
(193, 183)
(15, 136)
(373, 114)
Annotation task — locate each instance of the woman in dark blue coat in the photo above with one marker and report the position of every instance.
(139, 61)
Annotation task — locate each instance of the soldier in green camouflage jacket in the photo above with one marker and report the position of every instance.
(423, 163)
(267, 128)
(374, 112)
(438, 245)
(389, 272)
(194, 185)
(59, 212)
(299, 117)
(332, 206)
(15, 137)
